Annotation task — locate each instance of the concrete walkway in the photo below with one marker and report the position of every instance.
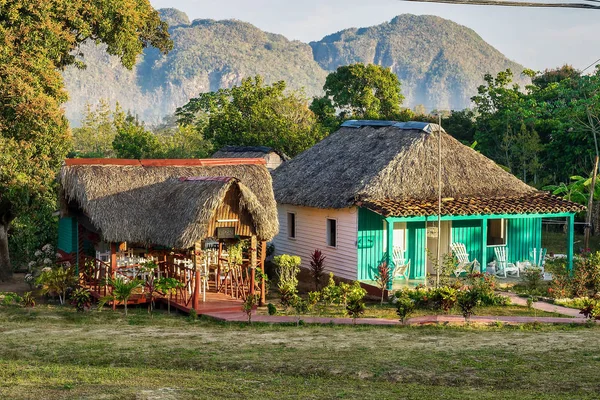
(543, 306)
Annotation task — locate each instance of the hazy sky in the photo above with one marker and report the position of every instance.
(536, 38)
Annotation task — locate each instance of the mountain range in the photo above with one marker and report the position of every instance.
(440, 63)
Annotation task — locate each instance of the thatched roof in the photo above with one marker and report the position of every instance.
(151, 202)
(384, 161)
(248, 152)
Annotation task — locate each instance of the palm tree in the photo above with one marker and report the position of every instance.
(122, 290)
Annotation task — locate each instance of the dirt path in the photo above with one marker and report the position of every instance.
(16, 284)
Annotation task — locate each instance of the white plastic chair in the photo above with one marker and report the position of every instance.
(464, 264)
(503, 267)
(401, 266)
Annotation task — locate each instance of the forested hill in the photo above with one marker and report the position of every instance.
(439, 62)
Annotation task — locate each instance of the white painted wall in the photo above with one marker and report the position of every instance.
(311, 234)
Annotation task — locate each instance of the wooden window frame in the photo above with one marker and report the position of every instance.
(328, 235)
(291, 234)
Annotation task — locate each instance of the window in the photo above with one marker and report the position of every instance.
(291, 225)
(331, 232)
(496, 232)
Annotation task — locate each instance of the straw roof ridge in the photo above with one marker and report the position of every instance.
(248, 152)
(390, 162)
(154, 205)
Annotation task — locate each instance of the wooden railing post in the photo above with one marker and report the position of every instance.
(197, 278)
(253, 263)
(113, 268)
(263, 255)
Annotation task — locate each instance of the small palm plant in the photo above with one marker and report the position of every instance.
(168, 286)
(122, 290)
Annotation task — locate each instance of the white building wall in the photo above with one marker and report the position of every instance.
(311, 234)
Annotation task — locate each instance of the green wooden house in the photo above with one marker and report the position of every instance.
(373, 185)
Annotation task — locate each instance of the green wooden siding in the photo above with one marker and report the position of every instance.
(468, 232)
(416, 243)
(370, 243)
(523, 235)
(67, 235)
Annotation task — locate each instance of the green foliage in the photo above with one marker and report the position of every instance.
(467, 300)
(288, 268)
(591, 309)
(56, 280)
(272, 309)
(355, 305)
(10, 298)
(249, 304)
(317, 267)
(300, 306)
(81, 299)
(168, 287)
(405, 306)
(28, 300)
(95, 137)
(383, 278)
(122, 290)
(330, 294)
(533, 277)
(134, 141)
(359, 91)
(584, 281)
(254, 114)
(40, 39)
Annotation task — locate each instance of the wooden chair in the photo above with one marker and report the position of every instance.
(503, 267)
(464, 264)
(401, 265)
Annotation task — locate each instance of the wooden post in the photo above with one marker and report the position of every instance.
(484, 224)
(113, 268)
(588, 217)
(253, 263)
(198, 278)
(570, 240)
(263, 288)
(218, 274)
(390, 249)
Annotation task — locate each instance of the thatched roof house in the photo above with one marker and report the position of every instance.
(374, 184)
(393, 168)
(273, 158)
(171, 203)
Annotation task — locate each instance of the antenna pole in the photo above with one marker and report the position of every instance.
(439, 213)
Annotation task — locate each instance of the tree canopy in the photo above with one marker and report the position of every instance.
(254, 114)
(38, 38)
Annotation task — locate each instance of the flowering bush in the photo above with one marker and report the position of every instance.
(44, 260)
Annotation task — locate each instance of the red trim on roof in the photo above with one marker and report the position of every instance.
(166, 162)
(100, 161)
(206, 179)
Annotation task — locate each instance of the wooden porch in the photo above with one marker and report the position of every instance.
(203, 287)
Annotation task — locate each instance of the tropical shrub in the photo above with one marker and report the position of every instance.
(467, 300)
(288, 268)
(591, 309)
(447, 297)
(330, 294)
(168, 287)
(57, 281)
(81, 299)
(313, 298)
(405, 306)
(584, 281)
(10, 298)
(300, 306)
(248, 305)
(533, 277)
(272, 309)
(317, 267)
(355, 305)
(28, 300)
(383, 278)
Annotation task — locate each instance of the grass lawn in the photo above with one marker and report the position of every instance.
(556, 242)
(55, 353)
